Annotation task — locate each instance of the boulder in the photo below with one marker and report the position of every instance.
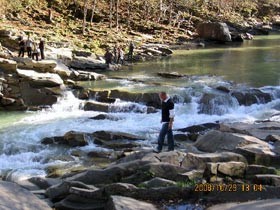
(252, 170)
(16, 198)
(8, 66)
(38, 96)
(61, 190)
(96, 106)
(158, 182)
(200, 128)
(170, 75)
(110, 135)
(214, 31)
(252, 96)
(215, 141)
(232, 168)
(43, 66)
(7, 101)
(44, 183)
(75, 139)
(38, 80)
(198, 161)
(126, 203)
(260, 130)
(191, 175)
(258, 154)
(105, 117)
(267, 179)
(85, 63)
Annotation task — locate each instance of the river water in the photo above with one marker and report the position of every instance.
(251, 64)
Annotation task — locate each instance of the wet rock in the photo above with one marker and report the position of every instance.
(75, 139)
(83, 95)
(119, 144)
(259, 169)
(170, 75)
(105, 117)
(267, 179)
(214, 31)
(215, 141)
(200, 128)
(110, 135)
(151, 110)
(8, 66)
(96, 106)
(149, 99)
(7, 101)
(253, 96)
(99, 154)
(158, 182)
(120, 202)
(53, 140)
(223, 89)
(198, 161)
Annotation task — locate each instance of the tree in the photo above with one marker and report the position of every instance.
(85, 15)
(117, 14)
(93, 10)
(111, 13)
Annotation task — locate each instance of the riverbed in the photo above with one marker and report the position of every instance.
(250, 64)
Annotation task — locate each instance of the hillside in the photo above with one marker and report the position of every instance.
(118, 21)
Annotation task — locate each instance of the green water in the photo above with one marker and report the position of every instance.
(255, 63)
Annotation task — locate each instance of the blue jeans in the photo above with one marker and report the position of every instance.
(165, 130)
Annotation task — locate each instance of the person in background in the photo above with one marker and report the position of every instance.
(21, 44)
(131, 50)
(120, 56)
(35, 52)
(167, 119)
(29, 47)
(42, 48)
(108, 57)
(115, 53)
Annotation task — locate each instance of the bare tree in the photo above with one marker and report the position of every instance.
(117, 14)
(160, 10)
(85, 15)
(93, 10)
(111, 13)
(128, 12)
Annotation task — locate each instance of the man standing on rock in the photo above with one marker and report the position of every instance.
(167, 118)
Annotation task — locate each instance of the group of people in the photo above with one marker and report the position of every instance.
(117, 56)
(32, 48)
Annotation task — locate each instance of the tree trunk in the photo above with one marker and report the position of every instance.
(160, 10)
(117, 14)
(128, 13)
(171, 11)
(92, 11)
(85, 16)
(111, 13)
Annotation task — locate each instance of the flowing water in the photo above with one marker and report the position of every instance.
(254, 63)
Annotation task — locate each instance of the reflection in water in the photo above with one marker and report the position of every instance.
(255, 63)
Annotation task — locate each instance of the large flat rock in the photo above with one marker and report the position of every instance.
(271, 204)
(14, 197)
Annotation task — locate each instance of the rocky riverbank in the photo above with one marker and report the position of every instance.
(213, 162)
